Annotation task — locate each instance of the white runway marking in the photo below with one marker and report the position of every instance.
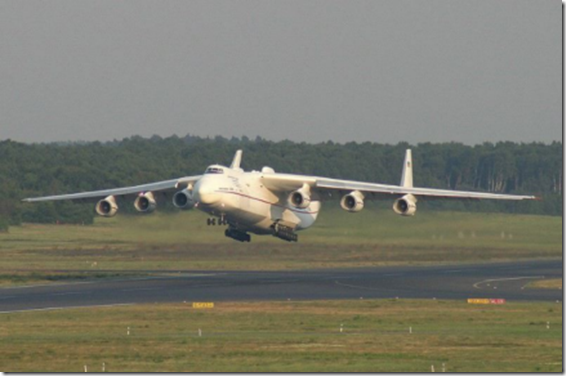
(71, 307)
(356, 287)
(141, 289)
(65, 293)
(477, 284)
(55, 284)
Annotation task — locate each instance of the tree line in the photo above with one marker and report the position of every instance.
(28, 170)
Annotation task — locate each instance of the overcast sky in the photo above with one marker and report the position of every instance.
(381, 71)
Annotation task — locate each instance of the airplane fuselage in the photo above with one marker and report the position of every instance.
(246, 204)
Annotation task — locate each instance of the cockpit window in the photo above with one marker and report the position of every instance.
(214, 170)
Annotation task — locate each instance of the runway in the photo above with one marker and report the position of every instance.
(492, 280)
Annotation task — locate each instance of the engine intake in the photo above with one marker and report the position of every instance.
(300, 198)
(183, 200)
(352, 202)
(406, 205)
(145, 203)
(106, 207)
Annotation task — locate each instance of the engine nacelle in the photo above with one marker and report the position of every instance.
(406, 205)
(352, 202)
(301, 198)
(183, 200)
(145, 203)
(106, 207)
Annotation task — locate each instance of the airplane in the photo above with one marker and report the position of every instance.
(265, 202)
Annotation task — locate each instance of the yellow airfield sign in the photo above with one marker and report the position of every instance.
(486, 301)
(203, 305)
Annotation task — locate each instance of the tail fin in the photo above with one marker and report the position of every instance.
(237, 160)
(407, 175)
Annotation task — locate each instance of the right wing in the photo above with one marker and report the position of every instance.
(165, 186)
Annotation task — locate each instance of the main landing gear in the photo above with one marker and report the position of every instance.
(237, 235)
(284, 232)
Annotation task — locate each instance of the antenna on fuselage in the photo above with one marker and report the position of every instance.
(237, 159)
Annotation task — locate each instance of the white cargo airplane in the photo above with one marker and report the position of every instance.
(265, 202)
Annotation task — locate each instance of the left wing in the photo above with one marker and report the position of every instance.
(289, 182)
(160, 186)
(395, 190)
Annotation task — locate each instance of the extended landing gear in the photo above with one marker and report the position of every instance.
(222, 221)
(284, 232)
(237, 235)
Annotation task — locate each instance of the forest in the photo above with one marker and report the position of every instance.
(28, 170)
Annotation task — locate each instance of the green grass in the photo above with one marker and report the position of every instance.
(338, 239)
(289, 337)
(555, 283)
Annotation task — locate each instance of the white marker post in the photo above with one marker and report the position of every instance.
(410, 330)
(432, 368)
(341, 328)
(103, 367)
(86, 369)
(128, 332)
(548, 325)
(199, 332)
(443, 367)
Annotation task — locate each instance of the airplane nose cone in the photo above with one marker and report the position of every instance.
(205, 194)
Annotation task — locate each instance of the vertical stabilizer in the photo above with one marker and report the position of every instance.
(407, 175)
(237, 160)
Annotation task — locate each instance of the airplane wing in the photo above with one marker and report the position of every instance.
(289, 182)
(394, 190)
(161, 186)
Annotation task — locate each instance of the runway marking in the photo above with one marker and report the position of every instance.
(65, 293)
(356, 287)
(477, 284)
(70, 307)
(189, 275)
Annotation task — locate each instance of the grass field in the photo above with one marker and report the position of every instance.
(547, 284)
(33, 253)
(280, 336)
(372, 237)
(289, 337)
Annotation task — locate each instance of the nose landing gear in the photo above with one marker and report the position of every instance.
(222, 221)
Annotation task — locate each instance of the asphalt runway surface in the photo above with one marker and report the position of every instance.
(491, 280)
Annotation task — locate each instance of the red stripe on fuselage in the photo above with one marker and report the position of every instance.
(267, 202)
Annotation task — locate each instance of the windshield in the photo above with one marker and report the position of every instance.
(214, 170)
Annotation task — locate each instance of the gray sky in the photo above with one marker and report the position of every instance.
(380, 71)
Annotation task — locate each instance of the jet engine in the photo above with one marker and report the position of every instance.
(300, 198)
(145, 203)
(352, 202)
(406, 205)
(106, 207)
(183, 199)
